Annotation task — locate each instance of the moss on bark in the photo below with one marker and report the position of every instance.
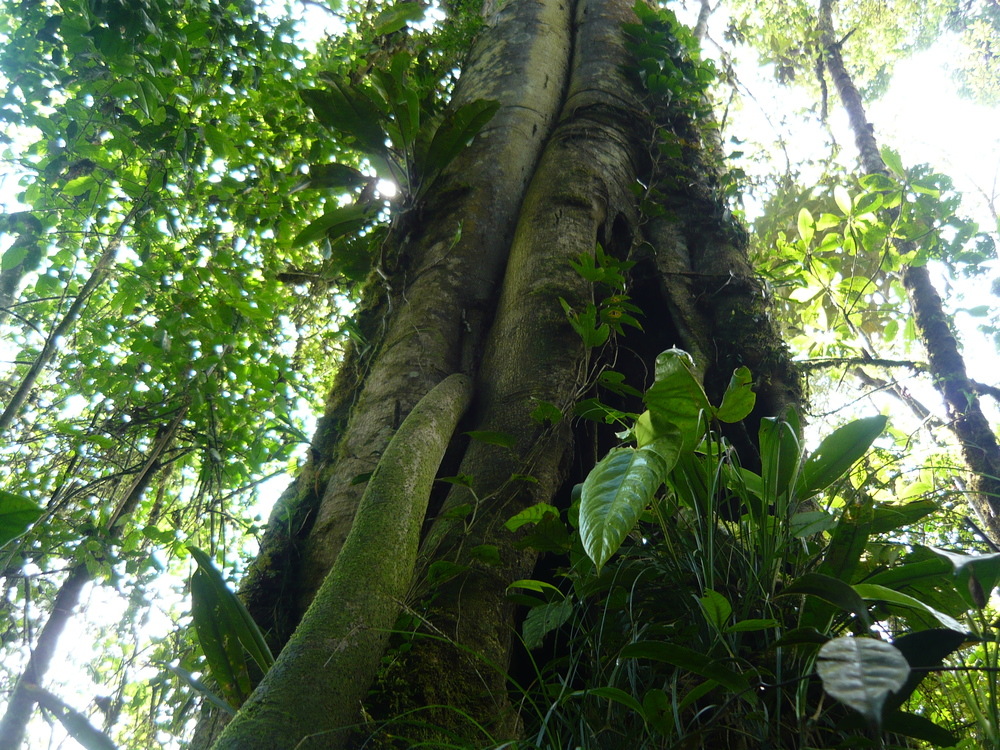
(311, 696)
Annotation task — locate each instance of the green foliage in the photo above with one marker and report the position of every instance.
(16, 516)
(862, 672)
(229, 638)
(671, 613)
(404, 137)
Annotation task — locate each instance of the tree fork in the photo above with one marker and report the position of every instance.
(454, 254)
(581, 194)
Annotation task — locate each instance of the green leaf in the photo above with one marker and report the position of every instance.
(217, 141)
(16, 516)
(394, 18)
(843, 199)
(335, 222)
(811, 522)
(456, 132)
(586, 325)
(780, 456)
(921, 728)
(546, 412)
(924, 650)
(201, 688)
(874, 592)
(79, 185)
(676, 399)
(226, 631)
(612, 694)
(532, 514)
(716, 608)
(891, 160)
(861, 672)
(806, 226)
(868, 203)
(617, 490)
(977, 574)
(738, 400)
(216, 635)
(657, 710)
(837, 453)
(848, 541)
(334, 177)
(351, 111)
(543, 619)
(831, 590)
(533, 585)
(888, 518)
(14, 255)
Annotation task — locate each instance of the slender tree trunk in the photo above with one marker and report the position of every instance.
(946, 365)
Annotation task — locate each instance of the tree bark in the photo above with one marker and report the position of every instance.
(560, 172)
(312, 694)
(442, 291)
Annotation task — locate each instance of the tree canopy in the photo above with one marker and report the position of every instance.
(603, 420)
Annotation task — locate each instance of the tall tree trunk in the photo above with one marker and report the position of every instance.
(560, 170)
(945, 362)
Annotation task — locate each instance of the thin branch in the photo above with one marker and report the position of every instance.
(825, 362)
(97, 276)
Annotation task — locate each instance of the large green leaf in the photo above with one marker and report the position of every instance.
(216, 629)
(543, 619)
(333, 177)
(831, 590)
(455, 132)
(838, 452)
(888, 518)
(924, 650)
(226, 631)
(676, 398)
(335, 222)
(848, 541)
(739, 399)
(919, 727)
(780, 456)
(349, 110)
(861, 672)
(874, 592)
(616, 491)
(978, 574)
(395, 18)
(612, 694)
(403, 101)
(16, 515)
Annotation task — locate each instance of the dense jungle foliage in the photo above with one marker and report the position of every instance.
(484, 373)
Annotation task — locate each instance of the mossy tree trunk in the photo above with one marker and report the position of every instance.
(476, 285)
